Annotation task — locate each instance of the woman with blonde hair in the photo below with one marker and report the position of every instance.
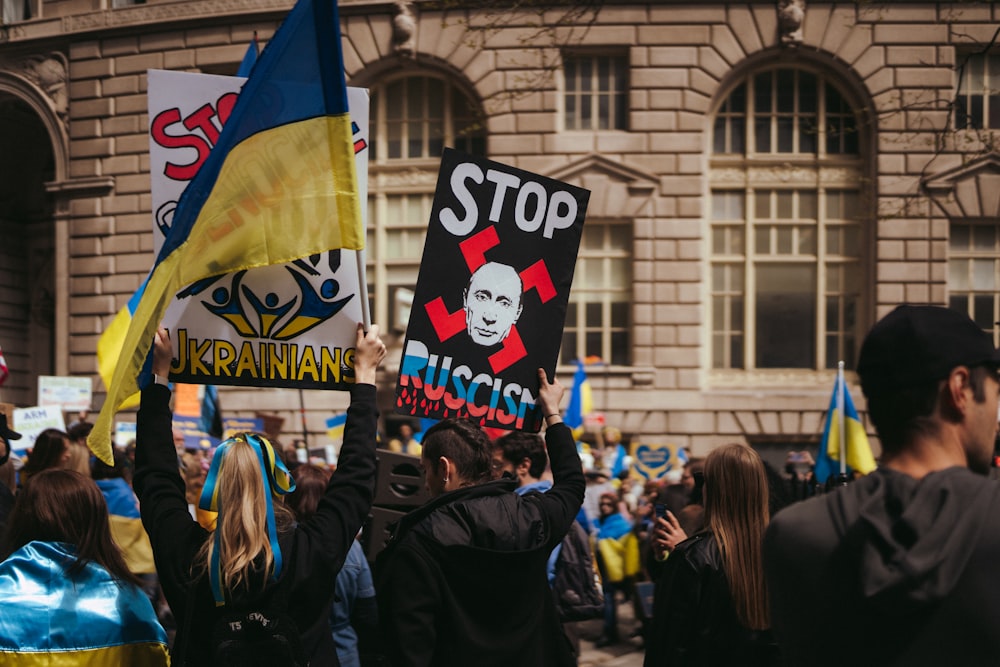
(258, 571)
(710, 605)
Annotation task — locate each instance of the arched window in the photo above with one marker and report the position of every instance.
(413, 118)
(786, 215)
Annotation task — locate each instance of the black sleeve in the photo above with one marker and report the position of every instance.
(173, 533)
(562, 502)
(675, 612)
(344, 506)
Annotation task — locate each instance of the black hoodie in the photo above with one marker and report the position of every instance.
(889, 571)
(462, 582)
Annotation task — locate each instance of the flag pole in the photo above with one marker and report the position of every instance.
(841, 417)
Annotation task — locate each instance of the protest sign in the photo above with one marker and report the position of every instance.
(233, 425)
(653, 461)
(124, 433)
(490, 300)
(287, 325)
(30, 422)
(69, 393)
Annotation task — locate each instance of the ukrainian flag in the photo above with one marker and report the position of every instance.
(109, 345)
(859, 451)
(335, 426)
(280, 184)
(581, 402)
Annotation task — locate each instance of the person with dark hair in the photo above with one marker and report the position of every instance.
(903, 560)
(462, 581)
(522, 456)
(354, 615)
(58, 547)
(710, 606)
(258, 559)
(51, 450)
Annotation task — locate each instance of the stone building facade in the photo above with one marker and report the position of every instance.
(767, 179)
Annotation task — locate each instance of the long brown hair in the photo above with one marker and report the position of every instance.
(47, 452)
(59, 505)
(736, 494)
(310, 484)
(243, 519)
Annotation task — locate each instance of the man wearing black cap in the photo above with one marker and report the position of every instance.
(6, 494)
(900, 567)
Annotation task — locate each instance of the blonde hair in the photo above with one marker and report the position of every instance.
(79, 459)
(736, 511)
(242, 521)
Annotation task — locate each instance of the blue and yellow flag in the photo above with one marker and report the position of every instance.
(859, 452)
(581, 402)
(280, 184)
(109, 345)
(249, 58)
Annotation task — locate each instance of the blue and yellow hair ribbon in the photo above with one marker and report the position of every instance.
(279, 481)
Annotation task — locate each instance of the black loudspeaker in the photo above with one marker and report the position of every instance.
(378, 530)
(399, 483)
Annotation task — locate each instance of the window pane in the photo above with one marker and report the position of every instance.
(807, 205)
(762, 242)
(785, 135)
(568, 353)
(807, 240)
(786, 316)
(738, 139)
(762, 92)
(784, 240)
(619, 348)
(982, 307)
(983, 238)
(620, 314)
(960, 237)
(786, 91)
(719, 135)
(784, 204)
(762, 204)
(593, 315)
(958, 275)
(982, 274)
(762, 128)
(807, 92)
(852, 246)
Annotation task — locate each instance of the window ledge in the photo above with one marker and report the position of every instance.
(637, 376)
(784, 378)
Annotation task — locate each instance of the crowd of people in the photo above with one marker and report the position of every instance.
(251, 559)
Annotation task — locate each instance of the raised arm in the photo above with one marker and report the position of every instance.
(157, 482)
(348, 497)
(563, 500)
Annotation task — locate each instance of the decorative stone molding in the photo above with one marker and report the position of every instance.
(617, 190)
(405, 178)
(48, 73)
(791, 14)
(404, 30)
(969, 191)
(157, 12)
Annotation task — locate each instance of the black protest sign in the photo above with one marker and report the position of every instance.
(490, 300)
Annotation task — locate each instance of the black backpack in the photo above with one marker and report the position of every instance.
(252, 636)
(578, 594)
(259, 637)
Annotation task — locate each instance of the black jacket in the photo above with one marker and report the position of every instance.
(462, 582)
(694, 621)
(903, 570)
(313, 553)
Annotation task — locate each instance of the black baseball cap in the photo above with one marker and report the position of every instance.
(5, 431)
(916, 344)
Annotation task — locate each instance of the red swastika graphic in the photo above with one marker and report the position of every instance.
(537, 276)
(474, 248)
(511, 352)
(445, 324)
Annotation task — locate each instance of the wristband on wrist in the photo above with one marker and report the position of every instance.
(159, 379)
